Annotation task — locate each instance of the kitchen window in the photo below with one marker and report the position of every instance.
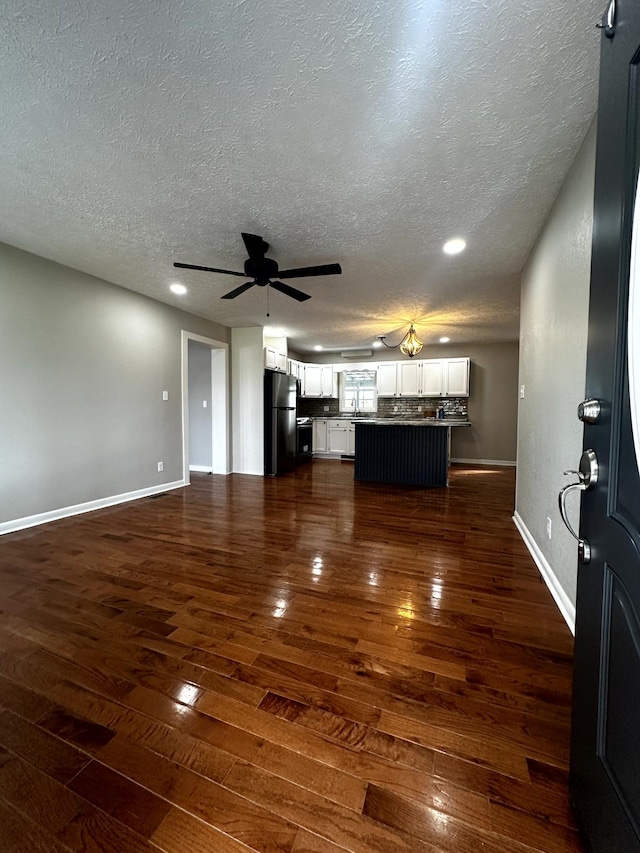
(358, 391)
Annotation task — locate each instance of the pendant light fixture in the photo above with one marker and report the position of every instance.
(409, 345)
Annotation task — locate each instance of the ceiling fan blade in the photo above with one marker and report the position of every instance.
(208, 269)
(289, 291)
(324, 269)
(238, 290)
(256, 247)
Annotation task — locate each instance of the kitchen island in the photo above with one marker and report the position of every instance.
(412, 453)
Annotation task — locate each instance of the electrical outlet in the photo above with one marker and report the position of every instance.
(419, 408)
(326, 408)
(395, 408)
(160, 466)
(165, 395)
(522, 392)
(548, 527)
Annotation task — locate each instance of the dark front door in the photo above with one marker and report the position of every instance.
(605, 760)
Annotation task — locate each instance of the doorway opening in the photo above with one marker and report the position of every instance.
(205, 405)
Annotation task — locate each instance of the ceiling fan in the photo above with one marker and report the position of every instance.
(262, 270)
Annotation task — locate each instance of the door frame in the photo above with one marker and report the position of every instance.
(220, 408)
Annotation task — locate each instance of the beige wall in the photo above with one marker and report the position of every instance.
(553, 347)
(492, 404)
(83, 365)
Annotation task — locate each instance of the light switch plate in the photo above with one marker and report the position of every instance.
(522, 392)
(204, 404)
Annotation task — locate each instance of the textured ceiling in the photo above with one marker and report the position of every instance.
(366, 132)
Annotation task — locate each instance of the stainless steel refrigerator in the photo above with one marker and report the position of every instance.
(279, 423)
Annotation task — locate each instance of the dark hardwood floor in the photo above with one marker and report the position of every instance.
(302, 664)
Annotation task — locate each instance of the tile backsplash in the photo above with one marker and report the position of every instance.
(388, 407)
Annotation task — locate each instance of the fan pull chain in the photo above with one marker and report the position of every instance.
(268, 289)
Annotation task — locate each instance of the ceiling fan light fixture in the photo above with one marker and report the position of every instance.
(262, 271)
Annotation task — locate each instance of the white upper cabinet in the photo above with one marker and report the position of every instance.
(426, 377)
(456, 377)
(274, 359)
(432, 378)
(387, 378)
(318, 380)
(409, 378)
(327, 381)
(294, 368)
(312, 381)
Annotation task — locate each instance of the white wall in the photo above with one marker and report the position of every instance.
(83, 364)
(553, 350)
(247, 400)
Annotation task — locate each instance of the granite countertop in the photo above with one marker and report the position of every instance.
(424, 422)
(437, 422)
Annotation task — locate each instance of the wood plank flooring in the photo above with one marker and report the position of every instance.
(298, 665)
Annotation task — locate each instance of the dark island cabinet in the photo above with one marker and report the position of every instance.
(408, 454)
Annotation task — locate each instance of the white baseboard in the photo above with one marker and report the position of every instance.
(503, 462)
(89, 506)
(202, 469)
(565, 605)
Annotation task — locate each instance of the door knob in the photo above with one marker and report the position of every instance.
(587, 474)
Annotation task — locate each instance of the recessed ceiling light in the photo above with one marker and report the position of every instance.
(317, 347)
(376, 344)
(444, 340)
(178, 288)
(453, 247)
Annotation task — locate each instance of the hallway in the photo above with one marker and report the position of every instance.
(301, 664)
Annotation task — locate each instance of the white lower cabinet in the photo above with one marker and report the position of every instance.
(319, 436)
(351, 440)
(334, 436)
(337, 436)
